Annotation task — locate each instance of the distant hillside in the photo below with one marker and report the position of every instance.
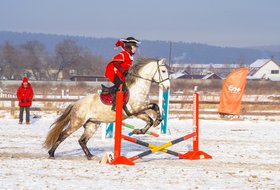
(181, 52)
(267, 48)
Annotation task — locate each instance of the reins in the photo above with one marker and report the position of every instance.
(153, 80)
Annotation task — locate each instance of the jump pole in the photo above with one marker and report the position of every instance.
(132, 127)
(108, 131)
(118, 158)
(163, 103)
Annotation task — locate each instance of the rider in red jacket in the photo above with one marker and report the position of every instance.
(118, 67)
(25, 97)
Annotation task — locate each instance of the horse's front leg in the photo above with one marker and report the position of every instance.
(146, 118)
(155, 108)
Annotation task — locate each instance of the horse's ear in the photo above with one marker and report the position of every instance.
(162, 61)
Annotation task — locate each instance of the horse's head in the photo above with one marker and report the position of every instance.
(161, 75)
(153, 70)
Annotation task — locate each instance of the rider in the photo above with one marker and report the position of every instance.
(118, 67)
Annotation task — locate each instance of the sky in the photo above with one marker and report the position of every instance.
(227, 23)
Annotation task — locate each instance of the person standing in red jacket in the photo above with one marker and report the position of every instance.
(25, 97)
(118, 67)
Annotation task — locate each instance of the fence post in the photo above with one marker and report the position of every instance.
(13, 108)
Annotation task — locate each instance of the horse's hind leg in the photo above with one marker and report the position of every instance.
(90, 129)
(57, 143)
(146, 118)
(63, 135)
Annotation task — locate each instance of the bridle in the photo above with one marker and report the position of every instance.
(161, 80)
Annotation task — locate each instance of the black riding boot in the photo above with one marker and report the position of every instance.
(117, 82)
(114, 102)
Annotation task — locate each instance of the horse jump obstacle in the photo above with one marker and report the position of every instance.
(195, 154)
(163, 102)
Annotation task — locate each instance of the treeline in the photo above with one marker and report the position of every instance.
(181, 52)
(32, 59)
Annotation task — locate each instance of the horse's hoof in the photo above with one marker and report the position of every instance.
(138, 131)
(92, 158)
(157, 122)
(51, 157)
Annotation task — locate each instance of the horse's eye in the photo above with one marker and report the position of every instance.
(163, 71)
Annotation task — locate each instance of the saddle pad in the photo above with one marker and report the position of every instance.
(108, 98)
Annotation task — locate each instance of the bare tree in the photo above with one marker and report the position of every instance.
(34, 56)
(10, 62)
(66, 53)
(32, 59)
(91, 64)
(49, 68)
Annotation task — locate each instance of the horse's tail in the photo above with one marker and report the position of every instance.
(59, 125)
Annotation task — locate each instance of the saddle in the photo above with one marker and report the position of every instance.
(108, 93)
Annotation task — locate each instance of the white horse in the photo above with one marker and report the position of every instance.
(90, 112)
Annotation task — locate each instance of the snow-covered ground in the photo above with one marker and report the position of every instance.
(246, 155)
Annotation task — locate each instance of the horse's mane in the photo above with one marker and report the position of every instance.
(136, 67)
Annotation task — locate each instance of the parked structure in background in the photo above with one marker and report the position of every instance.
(88, 78)
(221, 70)
(264, 69)
(186, 75)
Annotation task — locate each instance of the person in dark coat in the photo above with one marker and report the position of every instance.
(25, 97)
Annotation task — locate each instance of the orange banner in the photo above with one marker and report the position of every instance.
(232, 92)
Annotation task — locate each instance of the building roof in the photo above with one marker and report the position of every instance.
(259, 63)
(206, 66)
(179, 74)
(252, 71)
(186, 75)
(211, 76)
(194, 77)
